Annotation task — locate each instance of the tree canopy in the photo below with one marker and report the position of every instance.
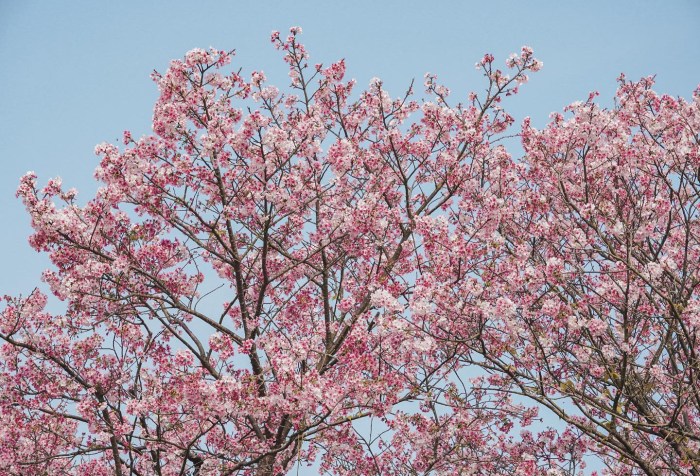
(374, 285)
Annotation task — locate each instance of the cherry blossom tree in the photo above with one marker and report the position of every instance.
(589, 304)
(369, 284)
(607, 290)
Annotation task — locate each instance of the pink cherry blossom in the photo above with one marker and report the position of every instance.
(275, 273)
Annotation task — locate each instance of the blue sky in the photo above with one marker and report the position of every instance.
(77, 73)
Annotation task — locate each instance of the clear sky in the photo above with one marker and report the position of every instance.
(74, 74)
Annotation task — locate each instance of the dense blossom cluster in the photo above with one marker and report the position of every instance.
(368, 284)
